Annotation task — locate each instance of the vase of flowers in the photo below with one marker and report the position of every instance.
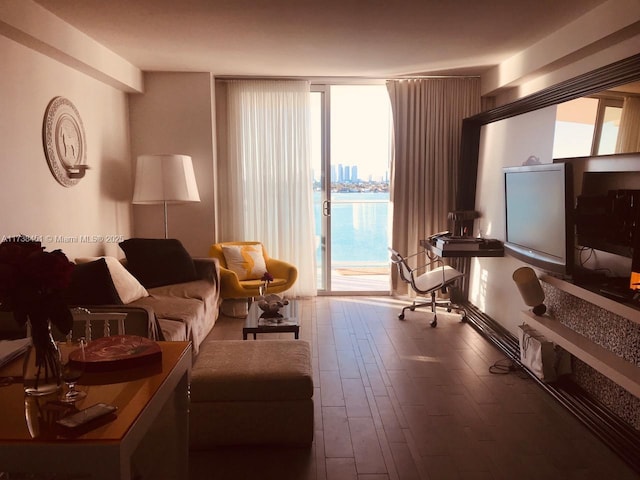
(32, 284)
(266, 279)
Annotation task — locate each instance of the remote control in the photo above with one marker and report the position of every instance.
(86, 415)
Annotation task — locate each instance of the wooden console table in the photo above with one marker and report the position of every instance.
(149, 432)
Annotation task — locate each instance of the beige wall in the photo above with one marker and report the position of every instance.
(506, 143)
(509, 143)
(32, 202)
(175, 115)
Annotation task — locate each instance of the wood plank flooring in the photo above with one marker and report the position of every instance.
(399, 400)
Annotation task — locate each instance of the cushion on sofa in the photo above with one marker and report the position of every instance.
(91, 284)
(156, 262)
(128, 287)
(247, 261)
(193, 304)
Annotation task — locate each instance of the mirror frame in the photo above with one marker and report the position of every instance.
(603, 78)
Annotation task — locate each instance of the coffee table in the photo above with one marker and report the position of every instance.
(256, 323)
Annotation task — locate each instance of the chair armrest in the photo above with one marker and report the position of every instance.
(140, 320)
(230, 286)
(282, 269)
(424, 267)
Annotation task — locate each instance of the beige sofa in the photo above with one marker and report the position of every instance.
(178, 296)
(189, 310)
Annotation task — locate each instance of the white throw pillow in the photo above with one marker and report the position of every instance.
(246, 260)
(128, 287)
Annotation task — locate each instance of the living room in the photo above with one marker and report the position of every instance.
(128, 110)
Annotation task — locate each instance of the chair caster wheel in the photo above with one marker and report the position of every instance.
(448, 310)
(413, 309)
(464, 319)
(401, 316)
(434, 323)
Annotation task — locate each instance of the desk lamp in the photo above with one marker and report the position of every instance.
(460, 217)
(530, 289)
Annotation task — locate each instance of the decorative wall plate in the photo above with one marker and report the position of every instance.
(64, 142)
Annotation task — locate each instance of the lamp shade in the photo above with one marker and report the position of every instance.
(530, 289)
(165, 179)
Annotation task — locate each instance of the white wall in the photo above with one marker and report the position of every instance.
(32, 202)
(175, 115)
(505, 143)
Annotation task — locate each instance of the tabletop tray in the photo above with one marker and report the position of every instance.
(118, 352)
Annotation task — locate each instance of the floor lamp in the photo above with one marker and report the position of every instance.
(164, 179)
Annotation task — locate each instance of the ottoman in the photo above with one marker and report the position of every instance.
(251, 393)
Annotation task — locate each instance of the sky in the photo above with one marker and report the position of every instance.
(360, 129)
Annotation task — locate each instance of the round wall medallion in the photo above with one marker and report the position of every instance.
(64, 142)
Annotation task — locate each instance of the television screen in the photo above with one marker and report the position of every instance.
(539, 206)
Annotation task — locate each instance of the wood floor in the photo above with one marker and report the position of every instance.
(400, 400)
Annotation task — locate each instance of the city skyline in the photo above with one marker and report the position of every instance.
(342, 173)
(360, 131)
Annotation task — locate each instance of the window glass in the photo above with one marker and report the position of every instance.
(575, 124)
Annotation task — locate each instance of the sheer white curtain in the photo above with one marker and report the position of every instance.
(268, 172)
(427, 124)
(629, 133)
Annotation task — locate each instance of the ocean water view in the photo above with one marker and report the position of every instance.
(359, 229)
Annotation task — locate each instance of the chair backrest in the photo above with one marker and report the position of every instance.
(216, 251)
(403, 268)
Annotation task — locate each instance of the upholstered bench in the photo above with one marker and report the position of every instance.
(251, 393)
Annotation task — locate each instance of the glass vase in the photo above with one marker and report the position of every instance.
(41, 370)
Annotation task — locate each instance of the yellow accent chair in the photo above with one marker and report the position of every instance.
(233, 285)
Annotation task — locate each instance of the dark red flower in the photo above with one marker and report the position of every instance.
(32, 283)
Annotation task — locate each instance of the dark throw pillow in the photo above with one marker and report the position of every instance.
(156, 262)
(91, 284)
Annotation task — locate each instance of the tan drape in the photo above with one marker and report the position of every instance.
(629, 133)
(427, 124)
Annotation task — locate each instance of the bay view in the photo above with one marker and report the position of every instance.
(359, 239)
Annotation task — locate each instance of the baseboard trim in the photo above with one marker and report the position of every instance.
(618, 435)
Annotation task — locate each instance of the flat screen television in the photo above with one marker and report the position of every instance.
(539, 212)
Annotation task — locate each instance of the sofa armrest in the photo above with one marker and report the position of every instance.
(208, 269)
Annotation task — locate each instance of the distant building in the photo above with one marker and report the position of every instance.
(354, 174)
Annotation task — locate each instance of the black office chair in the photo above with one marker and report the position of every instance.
(428, 283)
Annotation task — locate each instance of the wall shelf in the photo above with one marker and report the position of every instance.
(624, 373)
(625, 311)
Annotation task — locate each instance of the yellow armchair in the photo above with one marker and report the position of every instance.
(284, 274)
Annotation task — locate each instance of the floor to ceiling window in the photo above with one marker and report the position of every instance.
(351, 151)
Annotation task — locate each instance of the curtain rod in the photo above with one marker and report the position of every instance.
(340, 79)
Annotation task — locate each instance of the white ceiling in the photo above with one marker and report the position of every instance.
(328, 38)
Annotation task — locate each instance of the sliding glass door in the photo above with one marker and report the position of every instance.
(351, 151)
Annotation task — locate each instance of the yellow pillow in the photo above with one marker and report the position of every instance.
(247, 261)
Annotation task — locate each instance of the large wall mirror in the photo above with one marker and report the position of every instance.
(605, 79)
(604, 123)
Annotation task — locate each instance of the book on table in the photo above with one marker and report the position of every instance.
(460, 243)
